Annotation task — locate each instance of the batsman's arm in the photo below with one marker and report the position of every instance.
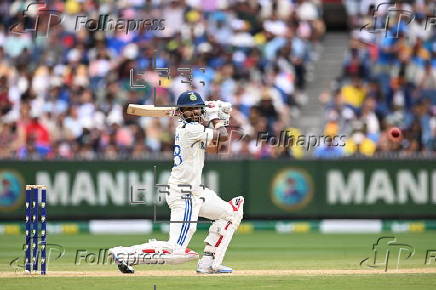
(220, 137)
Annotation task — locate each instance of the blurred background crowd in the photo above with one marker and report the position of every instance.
(388, 80)
(64, 95)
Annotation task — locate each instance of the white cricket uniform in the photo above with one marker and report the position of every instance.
(187, 204)
(191, 140)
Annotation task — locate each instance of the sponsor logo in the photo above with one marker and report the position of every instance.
(11, 190)
(292, 189)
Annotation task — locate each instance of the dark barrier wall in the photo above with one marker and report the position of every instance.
(273, 189)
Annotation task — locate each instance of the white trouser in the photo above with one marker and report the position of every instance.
(185, 212)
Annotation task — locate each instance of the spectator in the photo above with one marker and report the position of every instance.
(328, 150)
(388, 81)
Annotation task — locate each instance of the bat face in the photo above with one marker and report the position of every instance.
(150, 111)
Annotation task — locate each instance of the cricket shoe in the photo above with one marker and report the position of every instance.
(125, 268)
(215, 270)
(204, 267)
(204, 264)
(220, 269)
(122, 265)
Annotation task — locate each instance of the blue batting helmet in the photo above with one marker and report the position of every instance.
(190, 99)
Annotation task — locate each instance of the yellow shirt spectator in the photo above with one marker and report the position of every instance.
(367, 147)
(352, 95)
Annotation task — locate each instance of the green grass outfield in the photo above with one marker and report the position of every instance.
(265, 250)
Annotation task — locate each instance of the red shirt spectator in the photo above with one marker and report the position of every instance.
(39, 132)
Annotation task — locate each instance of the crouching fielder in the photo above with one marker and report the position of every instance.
(201, 128)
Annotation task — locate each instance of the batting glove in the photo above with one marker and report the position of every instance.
(224, 112)
(211, 110)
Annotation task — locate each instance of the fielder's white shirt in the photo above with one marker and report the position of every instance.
(191, 140)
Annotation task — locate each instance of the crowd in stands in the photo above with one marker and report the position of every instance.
(65, 85)
(388, 80)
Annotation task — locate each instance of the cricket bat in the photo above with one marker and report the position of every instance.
(150, 111)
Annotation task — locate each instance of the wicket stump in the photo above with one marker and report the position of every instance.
(36, 213)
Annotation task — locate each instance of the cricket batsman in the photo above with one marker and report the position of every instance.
(202, 126)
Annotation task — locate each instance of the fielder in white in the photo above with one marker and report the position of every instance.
(201, 128)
